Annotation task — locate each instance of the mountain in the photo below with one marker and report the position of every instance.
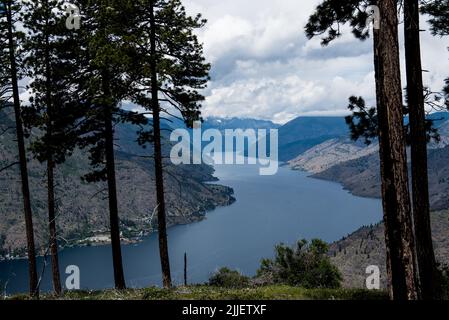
(237, 123)
(295, 137)
(361, 176)
(304, 133)
(82, 207)
(222, 124)
(331, 153)
(438, 118)
(357, 166)
(366, 247)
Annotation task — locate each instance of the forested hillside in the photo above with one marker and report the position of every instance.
(82, 207)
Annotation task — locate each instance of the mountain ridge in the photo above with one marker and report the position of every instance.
(366, 247)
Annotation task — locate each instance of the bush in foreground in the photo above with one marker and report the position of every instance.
(227, 278)
(306, 265)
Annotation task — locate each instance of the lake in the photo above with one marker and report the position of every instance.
(269, 210)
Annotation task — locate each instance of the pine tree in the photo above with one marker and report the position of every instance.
(427, 266)
(363, 123)
(398, 224)
(103, 83)
(10, 40)
(171, 69)
(54, 109)
(327, 20)
(439, 21)
(438, 10)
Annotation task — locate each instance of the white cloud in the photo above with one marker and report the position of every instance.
(264, 67)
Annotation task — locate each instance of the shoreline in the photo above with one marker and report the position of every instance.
(102, 237)
(313, 175)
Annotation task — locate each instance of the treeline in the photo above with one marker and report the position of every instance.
(144, 51)
(411, 264)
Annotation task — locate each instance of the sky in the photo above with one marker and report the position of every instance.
(264, 67)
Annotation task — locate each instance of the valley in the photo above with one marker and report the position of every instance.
(324, 153)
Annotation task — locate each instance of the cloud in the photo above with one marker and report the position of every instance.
(264, 67)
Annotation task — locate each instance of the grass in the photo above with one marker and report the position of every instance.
(203, 292)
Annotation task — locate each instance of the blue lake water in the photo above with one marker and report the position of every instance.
(269, 210)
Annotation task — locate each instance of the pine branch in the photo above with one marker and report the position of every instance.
(5, 130)
(9, 166)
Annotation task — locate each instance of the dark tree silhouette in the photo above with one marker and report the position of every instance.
(103, 83)
(170, 71)
(9, 76)
(416, 137)
(427, 266)
(398, 224)
(438, 10)
(363, 123)
(54, 110)
(327, 20)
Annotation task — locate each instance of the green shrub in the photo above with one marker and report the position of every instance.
(227, 278)
(306, 265)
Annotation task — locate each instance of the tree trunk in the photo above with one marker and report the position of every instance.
(52, 228)
(50, 175)
(119, 277)
(428, 273)
(161, 215)
(22, 159)
(397, 215)
(185, 269)
(385, 164)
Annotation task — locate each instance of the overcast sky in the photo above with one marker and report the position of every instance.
(264, 67)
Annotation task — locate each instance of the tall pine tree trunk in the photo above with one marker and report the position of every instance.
(22, 159)
(398, 215)
(50, 176)
(161, 210)
(52, 228)
(53, 242)
(119, 277)
(428, 273)
(385, 163)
